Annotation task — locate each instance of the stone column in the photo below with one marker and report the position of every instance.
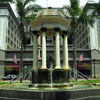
(54, 49)
(35, 50)
(65, 51)
(43, 29)
(57, 51)
(35, 56)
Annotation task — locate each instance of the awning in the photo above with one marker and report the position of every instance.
(15, 67)
(80, 66)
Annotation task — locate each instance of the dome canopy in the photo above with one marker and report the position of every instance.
(49, 12)
(50, 18)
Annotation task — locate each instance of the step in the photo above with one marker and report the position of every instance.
(7, 98)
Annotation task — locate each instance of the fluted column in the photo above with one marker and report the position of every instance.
(54, 42)
(65, 51)
(35, 56)
(57, 51)
(35, 50)
(43, 29)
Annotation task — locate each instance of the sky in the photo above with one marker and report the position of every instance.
(58, 3)
(54, 3)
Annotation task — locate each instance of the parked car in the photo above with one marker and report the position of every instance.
(9, 77)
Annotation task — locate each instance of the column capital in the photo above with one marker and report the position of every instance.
(43, 29)
(65, 32)
(35, 32)
(57, 29)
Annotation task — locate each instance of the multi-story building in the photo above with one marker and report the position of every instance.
(11, 39)
(9, 32)
(50, 46)
(88, 37)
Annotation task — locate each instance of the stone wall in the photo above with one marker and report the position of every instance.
(85, 94)
(2, 58)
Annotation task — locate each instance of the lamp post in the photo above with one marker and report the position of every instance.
(94, 67)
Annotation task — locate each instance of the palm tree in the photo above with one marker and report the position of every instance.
(23, 8)
(76, 15)
(6, 1)
(74, 11)
(97, 9)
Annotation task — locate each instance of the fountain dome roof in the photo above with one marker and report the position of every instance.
(49, 12)
(50, 18)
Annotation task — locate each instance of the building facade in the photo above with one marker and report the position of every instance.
(85, 66)
(10, 43)
(9, 32)
(88, 37)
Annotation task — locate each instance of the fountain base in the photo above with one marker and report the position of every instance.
(59, 77)
(74, 93)
(54, 85)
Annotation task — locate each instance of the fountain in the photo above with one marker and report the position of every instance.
(50, 81)
(51, 76)
(50, 23)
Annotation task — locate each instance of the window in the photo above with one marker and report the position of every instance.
(84, 42)
(14, 46)
(87, 46)
(14, 39)
(6, 39)
(28, 41)
(99, 20)
(87, 40)
(11, 43)
(7, 47)
(12, 35)
(49, 41)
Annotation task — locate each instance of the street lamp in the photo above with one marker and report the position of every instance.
(94, 67)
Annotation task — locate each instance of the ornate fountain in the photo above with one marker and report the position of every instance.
(50, 23)
(50, 83)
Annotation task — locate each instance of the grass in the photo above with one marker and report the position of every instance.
(87, 81)
(14, 84)
(24, 84)
(3, 82)
(82, 81)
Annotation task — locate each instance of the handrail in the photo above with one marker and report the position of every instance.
(82, 75)
(20, 76)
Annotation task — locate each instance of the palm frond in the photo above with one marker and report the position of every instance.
(84, 17)
(20, 8)
(74, 12)
(74, 9)
(90, 20)
(97, 9)
(26, 2)
(29, 8)
(29, 18)
(78, 14)
(1, 1)
(74, 3)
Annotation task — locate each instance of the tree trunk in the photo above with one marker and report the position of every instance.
(21, 62)
(75, 61)
(21, 51)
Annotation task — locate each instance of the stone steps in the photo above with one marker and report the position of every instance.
(7, 98)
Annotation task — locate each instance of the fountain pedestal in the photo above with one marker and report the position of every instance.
(59, 78)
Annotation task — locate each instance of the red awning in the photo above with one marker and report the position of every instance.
(80, 66)
(15, 67)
